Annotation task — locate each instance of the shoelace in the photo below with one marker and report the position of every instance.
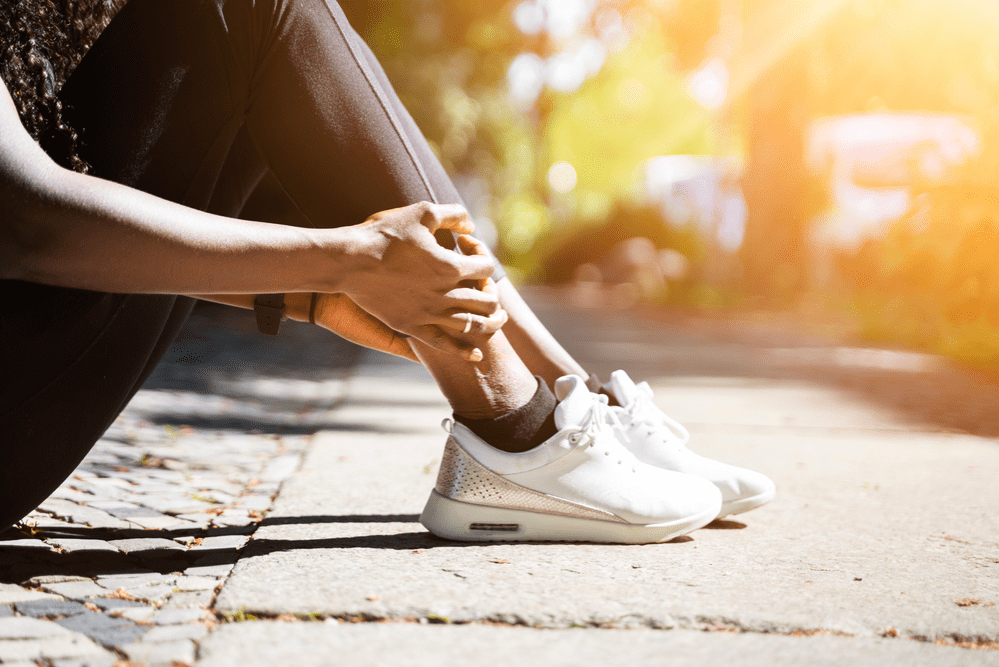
(644, 411)
(595, 426)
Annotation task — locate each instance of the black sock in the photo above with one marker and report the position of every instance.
(521, 429)
(595, 386)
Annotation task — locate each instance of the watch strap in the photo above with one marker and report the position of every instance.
(269, 309)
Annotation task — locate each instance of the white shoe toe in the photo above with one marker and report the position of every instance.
(745, 490)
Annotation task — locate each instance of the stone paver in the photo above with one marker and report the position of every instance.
(27, 639)
(53, 648)
(70, 545)
(408, 645)
(145, 544)
(113, 604)
(157, 653)
(165, 617)
(76, 590)
(170, 633)
(10, 593)
(29, 628)
(43, 608)
(107, 660)
(160, 508)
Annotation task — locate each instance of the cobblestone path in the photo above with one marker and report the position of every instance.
(124, 560)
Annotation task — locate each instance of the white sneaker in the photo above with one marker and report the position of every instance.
(581, 485)
(656, 439)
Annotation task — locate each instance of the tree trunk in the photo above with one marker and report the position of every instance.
(775, 183)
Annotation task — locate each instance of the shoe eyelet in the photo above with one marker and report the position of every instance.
(606, 453)
(576, 438)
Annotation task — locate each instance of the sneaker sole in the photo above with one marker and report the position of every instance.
(464, 522)
(745, 504)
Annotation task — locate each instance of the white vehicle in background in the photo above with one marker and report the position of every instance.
(878, 164)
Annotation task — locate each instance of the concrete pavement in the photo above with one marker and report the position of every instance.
(882, 546)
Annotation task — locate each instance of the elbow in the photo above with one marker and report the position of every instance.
(21, 243)
(13, 250)
(29, 185)
(12, 265)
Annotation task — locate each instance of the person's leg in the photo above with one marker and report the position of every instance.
(74, 358)
(395, 159)
(334, 136)
(330, 130)
(48, 429)
(158, 100)
(533, 343)
(501, 382)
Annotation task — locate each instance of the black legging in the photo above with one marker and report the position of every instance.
(200, 102)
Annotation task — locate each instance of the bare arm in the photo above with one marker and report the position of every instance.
(62, 228)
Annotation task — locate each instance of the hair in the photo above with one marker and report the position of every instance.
(41, 42)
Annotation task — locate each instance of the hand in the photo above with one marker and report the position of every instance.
(404, 278)
(337, 313)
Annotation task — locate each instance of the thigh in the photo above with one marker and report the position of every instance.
(47, 434)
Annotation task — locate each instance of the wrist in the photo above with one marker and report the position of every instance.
(360, 253)
(330, 261)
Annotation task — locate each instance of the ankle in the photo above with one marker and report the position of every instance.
(595, 386)
(488, 402)
(520, 429)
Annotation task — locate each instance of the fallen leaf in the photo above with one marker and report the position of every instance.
(122, 594)
(970, 602)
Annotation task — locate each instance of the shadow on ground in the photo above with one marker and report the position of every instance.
(21, 563)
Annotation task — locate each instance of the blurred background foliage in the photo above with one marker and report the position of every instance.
(551, 115)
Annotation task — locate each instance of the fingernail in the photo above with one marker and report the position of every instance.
(475, 355)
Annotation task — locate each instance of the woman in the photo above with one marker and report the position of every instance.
(184, 108)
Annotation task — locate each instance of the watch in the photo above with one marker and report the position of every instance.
(270, 311)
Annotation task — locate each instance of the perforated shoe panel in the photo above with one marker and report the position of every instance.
(464, 479)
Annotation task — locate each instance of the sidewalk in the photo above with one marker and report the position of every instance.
(880, 548)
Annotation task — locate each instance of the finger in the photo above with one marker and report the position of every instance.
(488, 286)
(437, 339)
(447, 216)
(469, 300)
(474, 325)
(470, 245)
(474, 267)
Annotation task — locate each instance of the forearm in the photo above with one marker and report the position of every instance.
(78, 231)
(296, 305)
(63, 228)
(68, 229)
